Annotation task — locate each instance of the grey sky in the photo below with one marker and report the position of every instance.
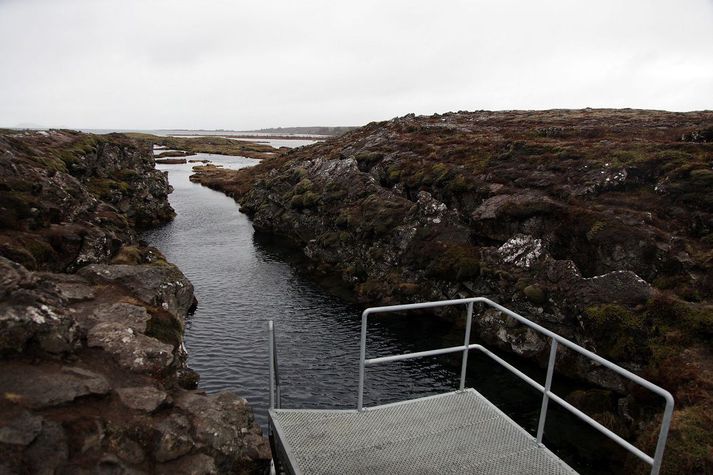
(239, 65)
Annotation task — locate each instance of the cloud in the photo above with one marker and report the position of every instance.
(248, 64)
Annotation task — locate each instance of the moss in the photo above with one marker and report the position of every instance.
(128, 255)
(304, 186)
(618, 333)
(368, 159)
(446, 260)
(298, 174)
(306, 200)
(535, 294)
(310, 199)
(164, 327)
(104, 188)
(702, 177)
(409, 288)
(296, 202)
(394, 174)
(689, 448)
(693, 320)
(596, 228)
(21, 202)
(40, 250)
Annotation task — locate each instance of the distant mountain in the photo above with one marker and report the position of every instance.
(304, 130)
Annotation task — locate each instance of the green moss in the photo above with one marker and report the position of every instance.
(693, 320)
(702, 177)
(535, 294)
(305, 200)
(298, 174)
(446, 260)
(393, 173)
(104, 188)
(41, 251)
(689, 443)
(596, 228)
(297, 202)
(310, 199)
(303, 186)
(368, 159)
(164, 327)
(618, 333)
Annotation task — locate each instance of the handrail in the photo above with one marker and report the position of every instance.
(275, 397)
(547, 394)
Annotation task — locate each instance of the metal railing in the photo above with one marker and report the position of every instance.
(547, 394)
(275, 396)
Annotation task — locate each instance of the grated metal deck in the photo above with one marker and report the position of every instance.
(457, 432)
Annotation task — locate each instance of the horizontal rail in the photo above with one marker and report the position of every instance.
(592, 422)
(512, 369)
(556, 339)
(455, 349)
(420, 354)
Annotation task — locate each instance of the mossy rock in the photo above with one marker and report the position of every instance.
(688, 449)
(304, 186)
(619, 333)
(164, 327)
(535, 294)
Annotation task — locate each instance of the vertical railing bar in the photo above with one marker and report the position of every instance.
(362, 359)
(545, 394)
(278, 393)
(663, 435)
(466, 342)
(271, 355)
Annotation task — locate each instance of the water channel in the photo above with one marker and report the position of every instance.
(243, 279)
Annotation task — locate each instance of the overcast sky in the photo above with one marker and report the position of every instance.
(242, 65)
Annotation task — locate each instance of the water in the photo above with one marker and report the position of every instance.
(243, 279)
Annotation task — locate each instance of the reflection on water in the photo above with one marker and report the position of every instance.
(243, 279)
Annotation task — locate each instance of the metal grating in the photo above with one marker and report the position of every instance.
(458, 432)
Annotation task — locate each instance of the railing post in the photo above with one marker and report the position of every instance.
(663, 435)
(545, 394)
(466, 342)
(362, 359)
(271, 355)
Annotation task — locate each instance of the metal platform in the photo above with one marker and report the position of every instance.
(457, 432)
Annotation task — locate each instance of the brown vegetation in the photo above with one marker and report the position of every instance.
(596, 223)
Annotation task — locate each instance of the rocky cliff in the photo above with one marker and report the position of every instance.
(94, 376)
(597, 224)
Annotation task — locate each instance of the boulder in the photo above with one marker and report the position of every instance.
(47, 386)
(144, 398)
(160, 285)
(132, 350)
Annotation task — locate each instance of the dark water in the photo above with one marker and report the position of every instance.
(242, 280)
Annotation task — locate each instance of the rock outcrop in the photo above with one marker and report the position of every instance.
(597, 224)
(94, 375)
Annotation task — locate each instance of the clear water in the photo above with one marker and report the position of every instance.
(243, 279)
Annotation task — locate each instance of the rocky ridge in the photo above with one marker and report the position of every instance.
(94, 376)
(597, 224)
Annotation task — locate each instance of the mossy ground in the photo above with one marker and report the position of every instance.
(609, 190)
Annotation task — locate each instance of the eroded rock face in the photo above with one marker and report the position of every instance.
(119, 404)
(91, 336)
(159, 285)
